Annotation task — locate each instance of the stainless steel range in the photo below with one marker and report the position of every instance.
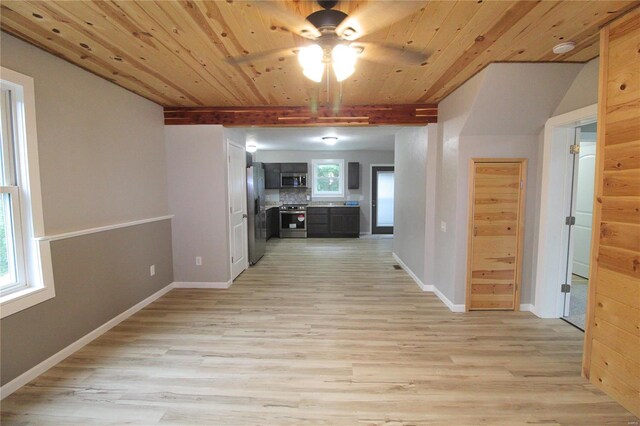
(293, 221)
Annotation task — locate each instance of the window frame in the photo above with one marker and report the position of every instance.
(36, 253)
(10, 186)
(341, 177)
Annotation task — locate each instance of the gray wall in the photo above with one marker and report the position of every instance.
(583, 91)
(102, 162)
(101, 153)
(198, 197)
(365, 158)
(414, 200)
(452, 114)
(97, 277)
(489, 117)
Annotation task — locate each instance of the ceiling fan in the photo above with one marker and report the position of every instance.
(333, 37)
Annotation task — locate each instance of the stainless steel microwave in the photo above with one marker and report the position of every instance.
(293, 180)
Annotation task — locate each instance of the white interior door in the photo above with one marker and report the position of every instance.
(584, 209)
(238, 209)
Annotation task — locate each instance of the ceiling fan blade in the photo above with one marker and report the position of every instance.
(295, 23)
(385, 53)
(275, 54)
(374, 16)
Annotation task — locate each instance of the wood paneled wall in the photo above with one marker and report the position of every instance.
(612, 341)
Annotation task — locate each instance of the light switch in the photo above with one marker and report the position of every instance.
(198, 261)
(443, 226)
(152, 270)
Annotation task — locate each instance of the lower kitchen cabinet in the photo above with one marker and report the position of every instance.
(333, 222)
(273, 222)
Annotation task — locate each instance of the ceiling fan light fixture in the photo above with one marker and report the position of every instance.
(344, 61)
(310, 59)
(310, 55)
(349, 33)
(314, 72)
(330, 140)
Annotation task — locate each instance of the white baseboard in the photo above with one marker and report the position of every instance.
(34, 372)
(408, 270)
(222, 285)
(430, 288)
(452, 306)
(526, 307)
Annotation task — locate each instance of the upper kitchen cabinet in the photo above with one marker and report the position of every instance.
(293, 167)
(272, 175)
(353, 181)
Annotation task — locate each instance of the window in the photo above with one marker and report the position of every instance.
(26, 276)
(12, 272)
(328, 178)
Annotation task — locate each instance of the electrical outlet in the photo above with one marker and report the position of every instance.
(443, 226)
(198, 261)
(152, 270)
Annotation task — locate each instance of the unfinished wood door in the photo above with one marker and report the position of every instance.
(495, 234)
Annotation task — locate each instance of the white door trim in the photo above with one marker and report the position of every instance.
(229, 224)
(371, 166)
(554, 205)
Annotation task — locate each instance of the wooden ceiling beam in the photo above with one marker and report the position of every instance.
(283, 116)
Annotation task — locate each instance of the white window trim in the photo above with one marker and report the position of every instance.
(40, 285)
(314, 163)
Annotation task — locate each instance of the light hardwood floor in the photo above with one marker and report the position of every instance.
(320, 332)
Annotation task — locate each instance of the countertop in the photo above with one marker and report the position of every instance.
(272, 205)
(329, 205)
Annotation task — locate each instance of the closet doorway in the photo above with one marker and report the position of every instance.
(579, 222)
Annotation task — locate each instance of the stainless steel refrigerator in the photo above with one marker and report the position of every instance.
(257, 214)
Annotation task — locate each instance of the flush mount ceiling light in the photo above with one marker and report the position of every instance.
(252, 147)
(561, 48)
(330, 140)
(314, 58)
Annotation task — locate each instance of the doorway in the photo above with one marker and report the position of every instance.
(579, 224)
(553, 232)
(496, 233)
(238, 242)
(382, 199)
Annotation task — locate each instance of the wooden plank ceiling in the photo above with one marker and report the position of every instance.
(175, 52)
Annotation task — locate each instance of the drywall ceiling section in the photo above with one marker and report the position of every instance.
(310, 139)
(517, 99)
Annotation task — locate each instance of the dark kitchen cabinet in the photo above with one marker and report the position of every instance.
(353, 176)
(317, 222)
(344, 222)
(273, 222)
(293, 167)
(272, 175)
(333, 222)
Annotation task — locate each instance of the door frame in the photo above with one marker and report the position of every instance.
(521, 225)
(553, 238)
(245, 219)
(371, 166)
